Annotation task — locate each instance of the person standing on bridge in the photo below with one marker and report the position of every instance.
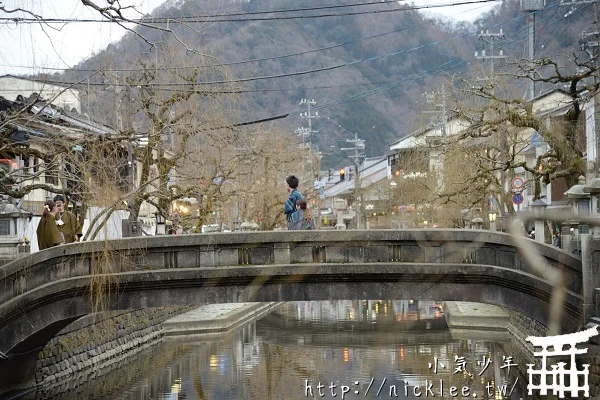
(47, 231)
(302, 219)
(290, 205)
(66, 221)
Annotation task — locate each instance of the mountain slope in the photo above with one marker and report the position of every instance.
(394, 56)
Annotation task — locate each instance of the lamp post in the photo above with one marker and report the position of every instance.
(369, 208)
(339, 206)
(580, 201)
(593, 188)
(393, 186)
(492, 217)
(477, 223)
(160, 223)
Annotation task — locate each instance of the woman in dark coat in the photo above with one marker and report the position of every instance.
(302, 219)
(47, 231)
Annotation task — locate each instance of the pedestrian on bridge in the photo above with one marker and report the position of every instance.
(302, 219)
(290, 205)
(47, 232)
(66, 221)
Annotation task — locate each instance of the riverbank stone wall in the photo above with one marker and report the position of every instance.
(100, 338)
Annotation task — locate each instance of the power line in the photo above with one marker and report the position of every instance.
(389, 86)
(215, 19)
(283, 75)
(440, 68)
(214, 65)
(238, 91)
(380, 2)
(437, 69)
(217, 65)
(141, 84)
(179, 84)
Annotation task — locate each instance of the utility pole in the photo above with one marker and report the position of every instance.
(531, 34)
(309, 116)
(590, 43)
(304, 133)
(489, 39)
(438, 99)
(573, 5)
(359, 147)
(123, 122)
(129, 128)
(532, 7)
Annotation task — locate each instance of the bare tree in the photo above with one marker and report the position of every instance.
(502, 131)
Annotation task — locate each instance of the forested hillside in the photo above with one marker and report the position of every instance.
(368, 65)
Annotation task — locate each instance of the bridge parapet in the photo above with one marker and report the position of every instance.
(435, 246)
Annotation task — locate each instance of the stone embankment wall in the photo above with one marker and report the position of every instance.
(594, 377)
(100, 339)
(520, 328)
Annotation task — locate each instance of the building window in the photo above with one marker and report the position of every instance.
(52, 174)
(4, 227)
(31, 164)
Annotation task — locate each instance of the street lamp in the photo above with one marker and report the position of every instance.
(160, 223)
(391, 197)
(492, 217)
(593, 188)
(580, 201)
(369, 208)
(477, 223)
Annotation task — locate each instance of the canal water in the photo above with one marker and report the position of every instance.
(351, 349)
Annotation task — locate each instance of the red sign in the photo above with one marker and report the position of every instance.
(517, 183)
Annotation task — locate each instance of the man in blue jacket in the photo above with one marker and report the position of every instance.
(295, 195)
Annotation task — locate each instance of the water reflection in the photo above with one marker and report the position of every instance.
(314, 348)
(365, 310)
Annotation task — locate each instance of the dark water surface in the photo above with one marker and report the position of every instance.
(369, 350)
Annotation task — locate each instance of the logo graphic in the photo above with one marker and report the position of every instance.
(558, 379)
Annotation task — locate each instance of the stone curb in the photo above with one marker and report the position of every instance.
(191, 324)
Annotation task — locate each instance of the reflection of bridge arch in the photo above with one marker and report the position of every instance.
(357, 334)
(44, 292)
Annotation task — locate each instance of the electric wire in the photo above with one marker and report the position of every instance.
(214, 65)
(156, 85)
(214, 19)
(380, 2)
(397, 53)
(451, 63)
(368, 93)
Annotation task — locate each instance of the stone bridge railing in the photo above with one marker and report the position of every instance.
(42, 293)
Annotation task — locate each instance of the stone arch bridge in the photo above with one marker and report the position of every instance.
(42, 293)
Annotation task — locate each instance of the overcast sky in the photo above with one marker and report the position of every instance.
(26, 49)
